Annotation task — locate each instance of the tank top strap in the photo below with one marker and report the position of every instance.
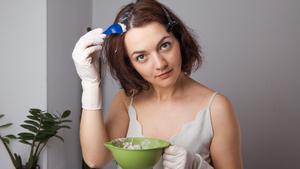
(131, 98)
(212, 99)
(134, 128)
(131, 110)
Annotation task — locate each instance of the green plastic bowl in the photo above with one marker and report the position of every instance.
(147, 154)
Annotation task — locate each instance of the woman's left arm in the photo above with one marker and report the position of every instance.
(226, 145)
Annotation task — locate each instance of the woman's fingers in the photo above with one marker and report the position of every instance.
(92, 38)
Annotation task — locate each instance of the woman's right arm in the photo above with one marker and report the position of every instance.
(92, 136)
(93, 131)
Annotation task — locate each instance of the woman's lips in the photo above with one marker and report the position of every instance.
(164, 75)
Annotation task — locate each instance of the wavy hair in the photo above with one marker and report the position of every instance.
(138, 14)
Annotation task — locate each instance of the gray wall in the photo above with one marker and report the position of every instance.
(66, 22)
(251, 51)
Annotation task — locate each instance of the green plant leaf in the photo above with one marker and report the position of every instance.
(49, 120)
(47, 126)
(35, 111)
(48, 131)
(33, 118)
(59, 137)
(47, 134)
(6, 125)
(10, 136)
(49, 115)
(32, 122)
(58, 121)
(18, 160)
(25, 142)
(26, 136)
(44, 136)
(66, 114)
(56, 117)
(48, 123)
(6, 140)
(1, 115)
(30, 128)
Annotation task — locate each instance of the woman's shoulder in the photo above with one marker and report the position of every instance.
(220, 106)
(198, 89)
(221, 101)
(222, 113)
(121, 98)
(218, 100)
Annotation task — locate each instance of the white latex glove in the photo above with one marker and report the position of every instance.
(87, 65)
(176, 157)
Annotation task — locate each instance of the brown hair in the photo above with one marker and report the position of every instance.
(139, 14)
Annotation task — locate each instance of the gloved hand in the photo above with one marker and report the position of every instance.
(176, 157)
(87, 65)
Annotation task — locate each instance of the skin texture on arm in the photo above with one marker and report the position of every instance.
(226, 145)
(118, 120)
(92, 136)
(94, 132)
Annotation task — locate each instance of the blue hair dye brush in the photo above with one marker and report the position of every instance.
(116, 28)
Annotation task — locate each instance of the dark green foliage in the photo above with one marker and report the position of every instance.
(39, 127)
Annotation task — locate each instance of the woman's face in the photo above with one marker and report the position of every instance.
(154, 53)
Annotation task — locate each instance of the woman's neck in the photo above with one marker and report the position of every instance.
(161, 94)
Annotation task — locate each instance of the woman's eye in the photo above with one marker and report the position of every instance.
(165, 45)
(140, 58)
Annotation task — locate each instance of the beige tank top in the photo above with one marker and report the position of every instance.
(195, 136)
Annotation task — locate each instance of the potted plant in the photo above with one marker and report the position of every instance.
(40, 126)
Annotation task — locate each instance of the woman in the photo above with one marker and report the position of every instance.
(153, 61)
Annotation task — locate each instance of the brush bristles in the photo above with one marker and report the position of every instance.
(123, 27)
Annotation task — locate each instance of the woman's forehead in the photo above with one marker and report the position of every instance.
(140, 38)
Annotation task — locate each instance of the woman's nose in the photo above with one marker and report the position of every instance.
(160, 62)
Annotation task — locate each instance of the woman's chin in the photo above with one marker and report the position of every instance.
(168, 82)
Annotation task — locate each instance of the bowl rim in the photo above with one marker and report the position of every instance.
(109, 144)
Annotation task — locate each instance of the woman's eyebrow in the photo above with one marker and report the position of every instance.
(137, 52)
(162, 39)
(159, 42)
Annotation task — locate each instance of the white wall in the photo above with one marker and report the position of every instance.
(36, 70)
(252, 52)
(22, 66)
